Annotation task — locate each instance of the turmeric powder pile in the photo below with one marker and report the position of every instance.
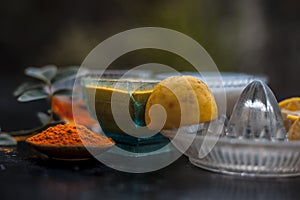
(69, 135)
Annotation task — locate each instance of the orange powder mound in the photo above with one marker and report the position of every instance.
(69, 135)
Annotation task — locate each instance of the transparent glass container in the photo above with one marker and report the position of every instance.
(63, 104)
(252, 143)
(109, 100)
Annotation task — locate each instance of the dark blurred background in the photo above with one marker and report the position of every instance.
(249, 36)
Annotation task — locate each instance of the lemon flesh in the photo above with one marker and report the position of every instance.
(290, 109)
(294, 132)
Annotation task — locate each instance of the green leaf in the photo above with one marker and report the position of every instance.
(65, 92)
(43, 117)
(49, 71)
(28, 86)
(33, 95)
(7, 140)
(65, 74)
(46, 73)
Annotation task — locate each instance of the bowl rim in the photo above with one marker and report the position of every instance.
(236, 141)
(129, 79)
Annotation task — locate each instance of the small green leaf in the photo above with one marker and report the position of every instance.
(49, 71)
(43, 117)
(46, 73)
(65, 74)
(33, 95)
(7, 140)
(28, 86)
(65, 92)
(36, 73)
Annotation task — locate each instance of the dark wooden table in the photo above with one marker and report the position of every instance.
(23, 175)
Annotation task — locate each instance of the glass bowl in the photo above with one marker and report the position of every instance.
(233, 83)
(62, 104)
(119, 107)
